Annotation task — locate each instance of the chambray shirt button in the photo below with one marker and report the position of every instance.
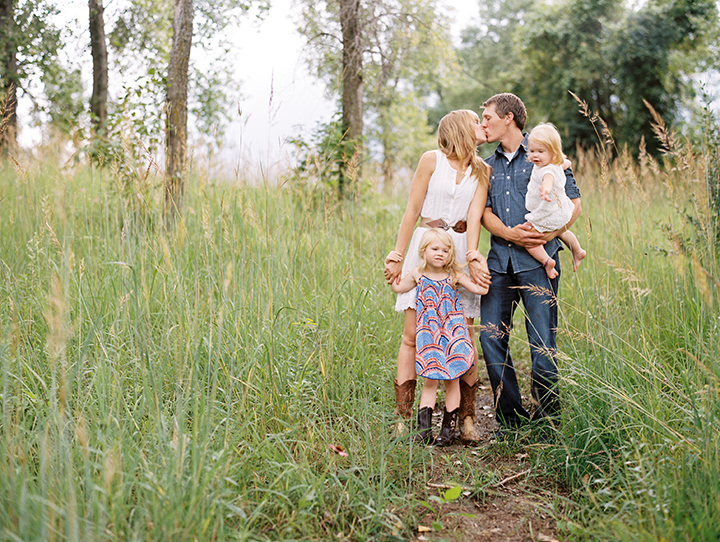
(508, 192)
(507, 210)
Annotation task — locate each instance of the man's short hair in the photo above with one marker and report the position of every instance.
(509, 103)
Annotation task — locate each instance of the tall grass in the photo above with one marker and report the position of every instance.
(641, 338)
(186, 385)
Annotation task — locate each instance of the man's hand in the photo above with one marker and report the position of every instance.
(526, 236)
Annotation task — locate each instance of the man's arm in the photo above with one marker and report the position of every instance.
(523, 235)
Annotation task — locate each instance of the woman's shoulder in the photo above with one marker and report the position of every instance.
(428, 160)
(432, 156)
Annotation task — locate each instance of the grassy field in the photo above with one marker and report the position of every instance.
(188, 385)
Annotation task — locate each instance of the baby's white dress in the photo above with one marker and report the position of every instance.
(548, 215)
(450, 201)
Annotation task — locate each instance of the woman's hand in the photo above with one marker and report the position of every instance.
(393, 266)
(477, 265)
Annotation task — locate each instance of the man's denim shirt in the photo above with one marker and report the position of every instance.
(506, 196)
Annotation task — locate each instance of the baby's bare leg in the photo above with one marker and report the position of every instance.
(541, 255)
(572, 242)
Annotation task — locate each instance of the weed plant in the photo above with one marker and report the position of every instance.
(187, 384)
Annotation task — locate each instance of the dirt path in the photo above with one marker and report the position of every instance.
(510, 507)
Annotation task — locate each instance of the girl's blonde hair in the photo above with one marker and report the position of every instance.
(452, 267)
(547, 135)
(456, 139)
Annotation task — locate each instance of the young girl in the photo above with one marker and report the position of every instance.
(443, 347)
(550, 208)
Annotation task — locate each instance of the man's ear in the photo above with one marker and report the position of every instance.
(509, 118)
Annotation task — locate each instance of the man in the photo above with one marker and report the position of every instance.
(515, 275)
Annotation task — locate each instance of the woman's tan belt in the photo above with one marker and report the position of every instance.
(459, 227)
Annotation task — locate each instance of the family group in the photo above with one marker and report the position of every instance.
(526, 197)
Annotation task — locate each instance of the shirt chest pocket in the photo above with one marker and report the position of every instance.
(522, 178)
(497, 185)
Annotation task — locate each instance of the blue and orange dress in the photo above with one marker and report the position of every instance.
(443, 350)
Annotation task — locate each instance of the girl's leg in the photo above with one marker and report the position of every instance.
(468, 393)
(429, 393)
(541, 255)
(578, 253)
(405, 381)
(452, 394)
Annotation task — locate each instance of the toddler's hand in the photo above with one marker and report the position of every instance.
(544, 194)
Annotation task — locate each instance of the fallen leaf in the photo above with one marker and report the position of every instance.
(423, 529)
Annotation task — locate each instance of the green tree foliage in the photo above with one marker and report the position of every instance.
(562, 48)
(641, 54)
(29, 44)
(141, 38)
(408, 51)
(486, 57)
(608, 54)
(64, 93)
(405, 53)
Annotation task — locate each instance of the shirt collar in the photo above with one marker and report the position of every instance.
(524, 145)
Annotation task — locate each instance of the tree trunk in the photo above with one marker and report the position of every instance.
(8, 64)
(177, 108)
(98, 47)
(352, 91)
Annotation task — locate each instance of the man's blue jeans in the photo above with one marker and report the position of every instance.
(539, 297)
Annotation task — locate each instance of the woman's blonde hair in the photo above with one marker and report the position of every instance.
(547, 135)
(456, 139)
(451, 266)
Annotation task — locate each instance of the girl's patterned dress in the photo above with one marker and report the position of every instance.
(443, 347)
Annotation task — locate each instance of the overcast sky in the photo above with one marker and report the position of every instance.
(271, 64)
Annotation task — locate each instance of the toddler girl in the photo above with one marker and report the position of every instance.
(443, 348)
(550, 208)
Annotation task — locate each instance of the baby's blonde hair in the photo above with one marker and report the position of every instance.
(547, 135)
(452, 267)
(456, 139)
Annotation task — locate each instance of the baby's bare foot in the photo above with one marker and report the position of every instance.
(578, 256)
(549, 266)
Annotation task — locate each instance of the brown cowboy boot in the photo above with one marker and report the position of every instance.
(404, 400)
(468, 433)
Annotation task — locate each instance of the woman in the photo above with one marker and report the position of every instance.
(448, 190)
